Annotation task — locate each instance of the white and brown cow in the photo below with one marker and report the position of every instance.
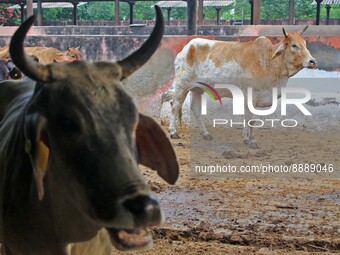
(258, 64)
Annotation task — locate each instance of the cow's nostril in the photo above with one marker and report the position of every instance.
(145, 209)
(141, 204)
(312, 61)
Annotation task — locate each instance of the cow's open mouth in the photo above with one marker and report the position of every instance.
(312, 66)
(124, 239)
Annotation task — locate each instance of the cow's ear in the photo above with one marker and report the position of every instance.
(155, 149)
(279, 50)
(36, 139)
(284, 33)
(36, 146)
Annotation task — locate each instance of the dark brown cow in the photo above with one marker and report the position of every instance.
(69, 154)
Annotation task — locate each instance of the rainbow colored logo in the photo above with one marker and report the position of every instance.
(211, 92)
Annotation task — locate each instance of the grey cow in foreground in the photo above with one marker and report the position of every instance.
(70, 145)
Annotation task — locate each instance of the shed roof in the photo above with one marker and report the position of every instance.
(49, 5)
(329, 2)
(212, 3)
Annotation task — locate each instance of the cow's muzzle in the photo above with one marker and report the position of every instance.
(146, 212)
(312, 63)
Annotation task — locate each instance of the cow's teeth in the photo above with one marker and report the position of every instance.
(137, 237)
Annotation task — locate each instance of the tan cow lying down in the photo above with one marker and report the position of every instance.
(256, 64)
(48, 55)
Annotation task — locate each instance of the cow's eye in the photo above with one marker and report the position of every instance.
(295, 46)
(67, 124)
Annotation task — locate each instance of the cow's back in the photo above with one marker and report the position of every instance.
(45, 55)
(203, 58)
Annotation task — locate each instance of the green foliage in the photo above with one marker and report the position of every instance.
(179, 13)
(56, 13)
(242, 9)
(270, 9)
(105, 11)
(144, 10)
(96, 11)
(334, 12)
(274, 9)
(304, 9)
(9, 17)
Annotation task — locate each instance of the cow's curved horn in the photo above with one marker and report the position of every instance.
(131, 63)
(304, 30)
(25, 63)
(284, 32)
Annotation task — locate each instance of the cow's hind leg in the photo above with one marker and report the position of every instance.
(196, 104)
(178, 100)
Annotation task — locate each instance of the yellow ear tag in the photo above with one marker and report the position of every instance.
(42, 158)
(41, 165)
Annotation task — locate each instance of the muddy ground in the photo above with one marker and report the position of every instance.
(252, 215)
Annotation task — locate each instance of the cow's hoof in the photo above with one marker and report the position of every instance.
(253, 145)
(174, 136)
(207, 137)
(246, 141)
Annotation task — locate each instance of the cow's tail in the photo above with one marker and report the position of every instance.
(180, 116)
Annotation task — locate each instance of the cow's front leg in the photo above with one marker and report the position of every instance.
(252, 141)
(196, 104)
(246, 134)
(248, 131)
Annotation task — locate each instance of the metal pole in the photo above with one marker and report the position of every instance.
(40, 13)
(291, 13)
(192, 17)
(328, 10)
(29, 8)
(116, 12)
(200, 12)
(22, 9)
(251, 12)
(75, 13)
(218, 16)
(131, 3)
(169, 15)
(257, 10)
(318, 5)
